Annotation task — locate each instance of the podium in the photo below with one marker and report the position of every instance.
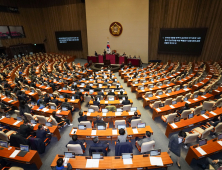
(106, 63)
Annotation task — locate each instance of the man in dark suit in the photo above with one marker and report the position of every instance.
(215, 123)
(53, 86)
(25, 129)
(97, 143)
(78, 93)
(126, 101)
(41, 132)
(186, 107)
(95, 102)
(216, 164)
(98, 120)
(33, 84)
(66, 104)
(121, 95)
(129, 64)
(122, 65)
(81, 117)
(146, 139)
(47, 98)
(76, 141)
(111, 93)
(54, 100)
(136, 116)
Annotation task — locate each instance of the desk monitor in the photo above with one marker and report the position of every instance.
(219, 136)
(64, 108)
(90, 84)
(155, 152)
(141, 125)
(33, 103)
(174, 102)
(202, 112)
(82, 84)
(73, 97)
(48, 124)
(101, 127)
(111, 98)
(190, 115)
(202, 142)
(151, 79)
(168, 82)
(3, 144)
(50, 95)
(82, 127)
(53, 107)
(122, 90)
(112, 90)
(121, 127)
(150, 95)
(151, 86)
(195, 96)
(185, 99)
(74, 83)
(91, 90)
(119, 110)
(127, 74)
(204, 93)
(98, 99)
(127, 155)
(33, 121)
(123, 98)
(7, 115)
(133, 109)
(176, 119)
(177, 89)
(185, 87)
(160, 93)
(33, 91)
(73, 89)
(64, 88)
(136, 82)
(100, 85)
(83, 78)
(90, 110)
(161, 104)
(61, 96)
(24, 148)
(115, 79)
(69, 154)
(97, 155)
(104, 110)
(19, 118)
(169, 91)
(141, 88)
(81, 90)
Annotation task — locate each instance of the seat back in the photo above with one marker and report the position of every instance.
(96, 108)
(168, 89)
(119, 122)
(194, 94)
(218, 128)
(190, 138)
(179, 98)
(170, 117)
(126, 107)
(29, 116)
(3, 136)
(41, 119)
(39, 92)
(187, 95)
(147, 146)
(54, 122)
(206, 132)
(76, 148)
(17, 112)
(197, 110)
(87, 123)
(134, 122)
(168, 101)
(156, 104)
(52, 105)
(147, 94)
(219, 102)
(185, 113)
(87, 98)
(208, 105)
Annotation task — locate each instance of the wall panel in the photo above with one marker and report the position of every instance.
(186, 14)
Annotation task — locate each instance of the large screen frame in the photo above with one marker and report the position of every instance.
(182, 29)
(68, 32)
(10, 36)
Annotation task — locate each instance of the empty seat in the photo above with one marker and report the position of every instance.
(76, 148)
(134, 122)
(208, 105)
(197, 110)
(87, 123)
(203, 133)
(156, 104)
(96, 108)
(185, 114)
(190, 138)
(168, 101)
(119, 122)
(169, 118)
(126, 107)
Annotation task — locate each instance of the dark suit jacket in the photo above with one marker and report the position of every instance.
(82, 118)
(47, 99)
(111, 93)
(215, 123)
(125, 102)
(125, 147)
(99, 121)
(96, 103)
(77, 142)
(174, 146)
(55, 101)
(132, 118)
(101, 93)
(25, 130)
(121, 96)
(66, 104)
(41, 134)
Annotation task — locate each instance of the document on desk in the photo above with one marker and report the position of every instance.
(114, 131)
(188, 102)
(147, 98)
(205, 116)
(118, 113)
(17, 122)
(92, 163)
(106, 102)
(135, 130)
(220, 142)
(213, 113)
(131, 113)
(31, 93)
(167, 94)
(45, 110)
(158, 97)
(66, 160)
(217, 91)
(88, 114)
(172, 106)
(158, 109)
(174, 125)
(58, 111)
(14, 154)
(104, 114)
(186, 89)
(127, 161)
(204, 97)
(195, 99)
(74, 131)
(201, 151)
(2, 117)
(156, 161)
(93, 133)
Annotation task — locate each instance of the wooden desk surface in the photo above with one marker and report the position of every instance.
(210, 148)
(31, 157)
(109, 162)
(105, 102)
(182, 124)
(202, 83)
(7, 100)
(44, 88)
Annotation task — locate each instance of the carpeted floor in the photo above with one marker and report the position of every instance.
(158, 126)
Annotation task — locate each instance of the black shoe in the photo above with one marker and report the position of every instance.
(179, 166)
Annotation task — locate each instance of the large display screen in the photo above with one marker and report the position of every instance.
(4, 32)
(69, 40)
(16, 31)
(188, 41)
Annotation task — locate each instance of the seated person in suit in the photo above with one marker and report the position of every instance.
(126, 101)
(215, 122)
(54, 100)
(81, 117)
(95, 102)
(100, 93)
(121, 95)
(60, 119)
(97, 143)
(111, 93)
(134, 56)
(40, 100)
(184, 108)
(98, 120)
(216, 164)
(76, 141)
(136, 116)
(129, 64)
(146, 139)
(66, 104)
(88, 86)
(123, 136)
(78, 93)
(42, 132)
(122, 65)
(124, 54)
(47, 98)
(24, 108)
(60, 165)
(25, 129)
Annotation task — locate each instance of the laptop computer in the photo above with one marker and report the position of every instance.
(141, 125)
(91, 91)
(48, 124)
(121, 127)
(61, 96)
(127, 155)
(111, 98)
(90, 110)
(53, 107)
(64, 109)
(33, 121)
(202, 112)
(101, 127)
(19, 118)
(133, 109)
(24, 149)
(174, 102)
(202, 142)
(3, 144)
(150, 95)
(69, 154)
(97, 155)
(185, 99)
(82, 127)
(190, 115)
(155, 152)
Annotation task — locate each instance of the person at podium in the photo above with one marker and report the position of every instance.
(104, 52)
(129, 64)
(122, 65)
(96, 53)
